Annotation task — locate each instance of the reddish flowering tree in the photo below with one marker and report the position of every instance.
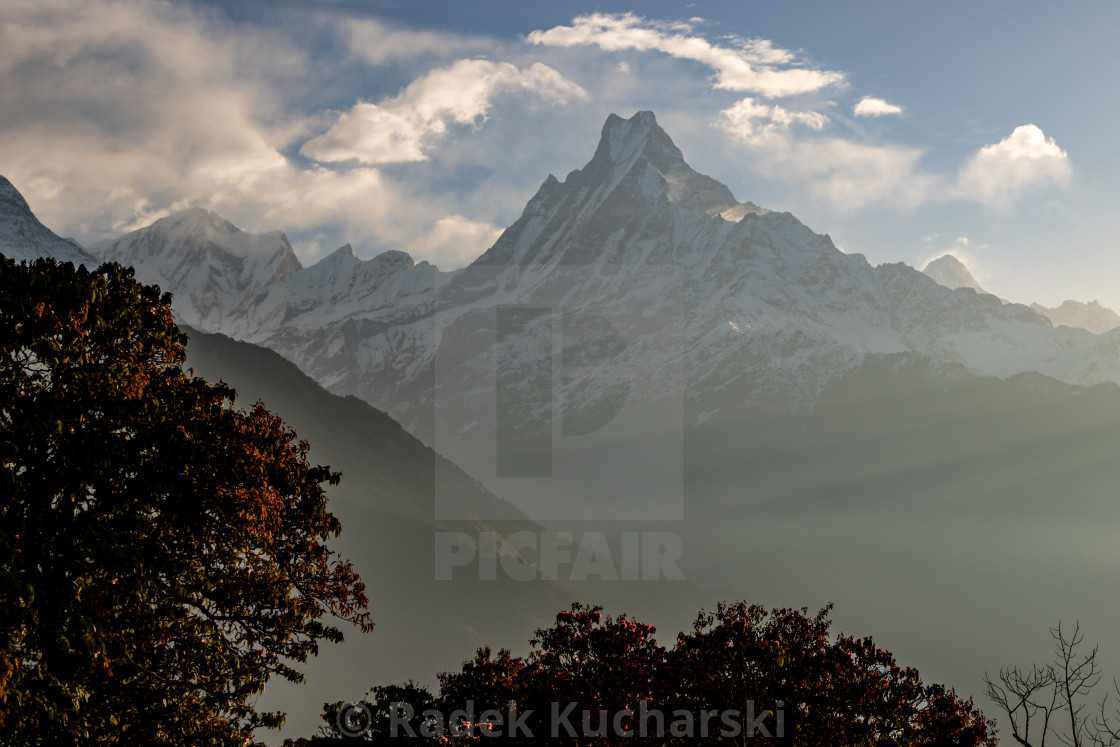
(743, 675)
(818, 691)
(597, 661)
(745, 659)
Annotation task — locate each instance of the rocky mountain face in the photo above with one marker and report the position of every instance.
(23, 237)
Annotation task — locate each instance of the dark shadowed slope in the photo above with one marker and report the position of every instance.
(385, 505)
(385, 469)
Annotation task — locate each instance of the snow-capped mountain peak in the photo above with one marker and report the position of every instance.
(636, 184)
(625, 142)
(345, 275)
(342, 254)
(952, 273)
(202, 230)
(394, 260)
(212, 265)
(23, 237)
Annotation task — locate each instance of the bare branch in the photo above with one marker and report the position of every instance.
(1023, 696)
(1079, 674)
(1104, 733)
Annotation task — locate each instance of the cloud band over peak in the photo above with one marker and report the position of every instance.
(753, 65)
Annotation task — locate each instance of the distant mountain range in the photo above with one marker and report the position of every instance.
(638, 207)
(1091, 316)
(726, 309)
(952, 273)
(214, 268)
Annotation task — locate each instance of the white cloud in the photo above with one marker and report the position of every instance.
(851, 176)
(870, 106)
(123, 103)
(998, 174)
(757, 123)
(114, 114)
(841, 173)
(751, 65)
(403, 128)
(455, 241)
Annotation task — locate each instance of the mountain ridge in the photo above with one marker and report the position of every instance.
(650, 235)
(1091, 316)
(23, 237)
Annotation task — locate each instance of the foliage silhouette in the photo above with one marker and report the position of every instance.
(161, 553)
(744, 675)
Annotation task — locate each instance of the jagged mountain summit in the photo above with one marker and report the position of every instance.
(952, 273)
(214, 268)
(23, 237)
(1091, 316)
(635, 190)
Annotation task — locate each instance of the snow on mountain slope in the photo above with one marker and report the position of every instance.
(952, 273)
(340, 286)
(729, 304)
(23, 237)
(769, 273)
(1091, 316)
(213, 268)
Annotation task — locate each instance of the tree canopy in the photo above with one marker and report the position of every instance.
(162, 553)
(743, 675)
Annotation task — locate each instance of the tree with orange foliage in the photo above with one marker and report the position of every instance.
(162, 554)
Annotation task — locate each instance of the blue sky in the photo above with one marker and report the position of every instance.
(902, 130)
